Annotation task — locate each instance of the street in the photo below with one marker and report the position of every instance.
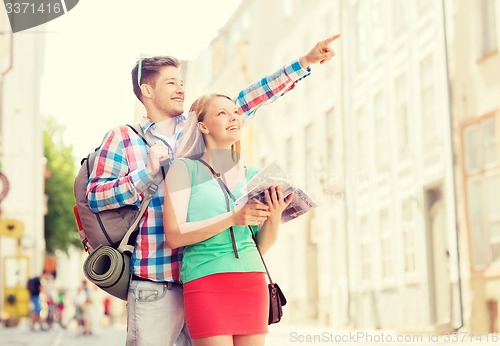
(22, 335)
(279, 335)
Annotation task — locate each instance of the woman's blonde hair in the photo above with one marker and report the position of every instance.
(193, 143)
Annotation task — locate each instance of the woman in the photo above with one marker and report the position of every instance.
(225, 289)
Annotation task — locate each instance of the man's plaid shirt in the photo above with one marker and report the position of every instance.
(119, 175)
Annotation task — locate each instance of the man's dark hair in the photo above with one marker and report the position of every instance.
(149, 71)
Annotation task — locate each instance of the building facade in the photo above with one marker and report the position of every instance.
(401, 205)
(475, 82)
(396, 139)
(21, 158)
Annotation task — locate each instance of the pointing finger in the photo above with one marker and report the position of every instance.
(331, 39)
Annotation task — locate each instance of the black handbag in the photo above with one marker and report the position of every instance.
(276, 301)
(276, 297)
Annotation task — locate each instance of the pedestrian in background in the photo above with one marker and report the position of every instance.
(107, 310)
(82, 309)
(60, 308)
(48, 296)
(34, 286)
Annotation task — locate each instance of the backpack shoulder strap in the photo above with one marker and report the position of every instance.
(124, 244)
(137, 128)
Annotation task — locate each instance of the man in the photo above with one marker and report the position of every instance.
(125, 168)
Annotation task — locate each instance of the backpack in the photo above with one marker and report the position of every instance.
(110, 226)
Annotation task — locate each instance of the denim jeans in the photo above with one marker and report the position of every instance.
(155, 315)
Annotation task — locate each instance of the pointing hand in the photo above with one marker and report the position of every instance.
(320, 53)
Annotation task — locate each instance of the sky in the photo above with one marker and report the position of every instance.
(90, 51)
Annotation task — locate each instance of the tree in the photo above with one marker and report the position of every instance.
(60, 228)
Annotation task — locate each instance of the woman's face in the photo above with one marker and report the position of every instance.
(222, 122)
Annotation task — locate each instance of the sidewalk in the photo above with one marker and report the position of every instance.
(280, 334)
(22, 335)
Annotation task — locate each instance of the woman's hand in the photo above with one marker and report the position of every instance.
(276, 202)
(250, 214)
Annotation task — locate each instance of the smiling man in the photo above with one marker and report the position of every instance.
(125, 167)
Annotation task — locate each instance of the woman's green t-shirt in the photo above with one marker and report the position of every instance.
(215, 255)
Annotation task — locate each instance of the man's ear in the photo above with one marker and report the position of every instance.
(146, 90)
(203, 128)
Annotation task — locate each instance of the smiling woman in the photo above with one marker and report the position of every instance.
(197, 133)
(222, 270)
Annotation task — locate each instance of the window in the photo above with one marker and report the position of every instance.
(408, 228)
(215, 61)
(228, 49)
(365, 249)
(481, 145)
(492, 189)
(287, 7)
(309, 158)
(424, 7)
(382, 139)
(378, 32)
(482, 169)
(329, 21)
(490, 143)
(289, 153)
(430, 124)
(473, 151)
(362, 140)
(488, 27)
(386, 245)
(403, 131)
(484, 219)
(245, 20)
(399, 14)
(235, 35)
(476, 226)
(330, 141)
(359, 28)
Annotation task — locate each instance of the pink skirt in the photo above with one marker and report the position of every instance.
(227, 304)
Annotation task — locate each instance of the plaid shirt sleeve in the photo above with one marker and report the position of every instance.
(119, 175)
(270, 88)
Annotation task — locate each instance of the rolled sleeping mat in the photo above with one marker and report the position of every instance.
(109, 269)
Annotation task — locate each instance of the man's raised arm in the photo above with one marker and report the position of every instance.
(271, 87)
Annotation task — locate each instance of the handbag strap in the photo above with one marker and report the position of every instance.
(261, 257)
(224, 187)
